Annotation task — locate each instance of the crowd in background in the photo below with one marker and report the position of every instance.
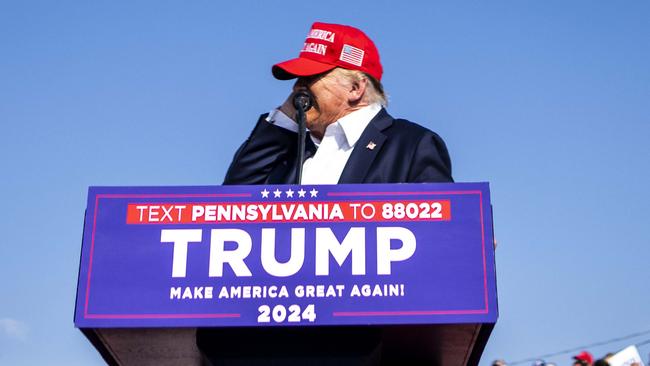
(584, 358)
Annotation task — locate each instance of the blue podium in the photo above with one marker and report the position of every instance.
(248, 275)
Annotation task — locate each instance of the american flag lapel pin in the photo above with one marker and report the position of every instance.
(371, 145)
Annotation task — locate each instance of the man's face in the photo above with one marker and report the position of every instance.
(330, 94)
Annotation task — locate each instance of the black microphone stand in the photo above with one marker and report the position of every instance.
(302, 102)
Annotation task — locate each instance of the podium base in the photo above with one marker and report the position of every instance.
(438, 344)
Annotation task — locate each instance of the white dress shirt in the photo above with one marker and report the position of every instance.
(326, 166)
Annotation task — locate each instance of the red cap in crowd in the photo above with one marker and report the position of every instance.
(584, 356)
(328, 46)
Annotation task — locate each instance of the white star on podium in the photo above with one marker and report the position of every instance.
(277, 193)
(301, 193)
(289, 193)
(265, 193)
(313, 192)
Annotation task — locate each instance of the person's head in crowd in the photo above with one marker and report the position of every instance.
(601, 362)
(499, 363)
(583, 358)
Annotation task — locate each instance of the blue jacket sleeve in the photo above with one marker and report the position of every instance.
(266, 147)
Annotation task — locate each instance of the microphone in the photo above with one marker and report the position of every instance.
(302, 100)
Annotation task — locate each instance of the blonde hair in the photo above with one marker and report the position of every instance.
(374, 90)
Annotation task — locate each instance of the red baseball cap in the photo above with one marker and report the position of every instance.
(328, 46)
(584, 356)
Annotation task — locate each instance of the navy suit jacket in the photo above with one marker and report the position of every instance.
(404, 152)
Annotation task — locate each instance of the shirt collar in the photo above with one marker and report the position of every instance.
(354, 123)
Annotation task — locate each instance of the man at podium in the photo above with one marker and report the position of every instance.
(352, 138)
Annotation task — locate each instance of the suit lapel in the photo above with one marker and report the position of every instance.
(366, 149)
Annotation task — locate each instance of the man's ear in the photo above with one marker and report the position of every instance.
(357, 91)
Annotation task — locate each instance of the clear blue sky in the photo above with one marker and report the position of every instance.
(549, 101)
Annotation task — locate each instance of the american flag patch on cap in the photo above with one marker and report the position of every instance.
(352, 55)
